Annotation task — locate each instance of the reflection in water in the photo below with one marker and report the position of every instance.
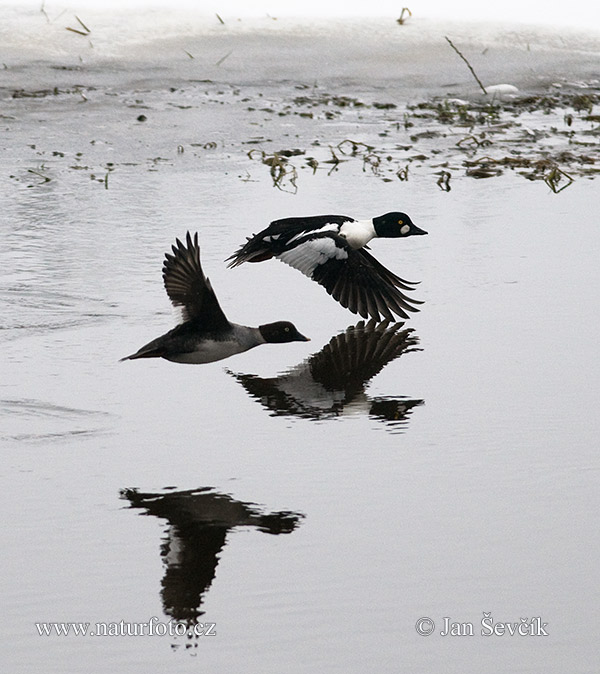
(332, 382)
(199, 520)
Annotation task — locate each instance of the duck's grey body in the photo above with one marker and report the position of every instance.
(188, 349)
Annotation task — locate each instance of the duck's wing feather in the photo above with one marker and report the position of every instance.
(313, 223)
(352, 277)
(364, 286)
(188, 287)
(281, 234)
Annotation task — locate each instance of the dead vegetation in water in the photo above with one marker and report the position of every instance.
(549, 137)
(54, 91)
(405, 14)
(82, 30)
(552, 137)
(283, 173)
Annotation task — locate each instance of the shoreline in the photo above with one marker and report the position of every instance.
(375, 52)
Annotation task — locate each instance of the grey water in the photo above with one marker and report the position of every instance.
(312, 521)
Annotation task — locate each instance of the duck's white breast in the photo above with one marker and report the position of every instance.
(357, 233)
(208, 352)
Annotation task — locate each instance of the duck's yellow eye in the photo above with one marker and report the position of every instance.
(400, 222)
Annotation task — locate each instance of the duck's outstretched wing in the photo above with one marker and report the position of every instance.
(188, 288)
(352, 277)
(364, 286)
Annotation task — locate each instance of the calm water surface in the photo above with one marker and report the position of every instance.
(312, 526)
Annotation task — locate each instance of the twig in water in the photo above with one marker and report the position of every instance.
(356, 147)
(401, 20)
(468, 64)
(85, 32)
(74, 30)
(218, 63)
(40, 175)
(220, 19)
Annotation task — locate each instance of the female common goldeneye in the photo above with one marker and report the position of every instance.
(330, 249)
(205, 335)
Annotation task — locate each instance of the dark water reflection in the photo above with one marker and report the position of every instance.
(332, 382)
(199, 521)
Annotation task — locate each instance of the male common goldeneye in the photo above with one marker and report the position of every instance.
(205, 335)
(330, 249)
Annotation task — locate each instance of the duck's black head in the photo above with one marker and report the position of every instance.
(392, 225)
(280, 332)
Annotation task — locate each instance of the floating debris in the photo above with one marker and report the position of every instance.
(551, 136)
(401, 20)
(554, 177)
(84, 30)
(283, 174)
(402, 173)
(443, 181)
(229, 53)
(44, 178)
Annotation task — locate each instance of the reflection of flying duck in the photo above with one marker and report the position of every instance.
(332, 382)
(205, 335)
(199, 520)
(330, 249)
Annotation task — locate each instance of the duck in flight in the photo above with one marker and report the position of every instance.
(331, 250)
(205, 335)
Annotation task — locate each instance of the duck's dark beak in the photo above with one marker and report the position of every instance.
(418, 230)
(298, 337)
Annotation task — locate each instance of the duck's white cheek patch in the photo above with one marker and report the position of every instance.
(405, 229)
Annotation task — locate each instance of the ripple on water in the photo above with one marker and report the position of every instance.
(40, 420)
(28, 310)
